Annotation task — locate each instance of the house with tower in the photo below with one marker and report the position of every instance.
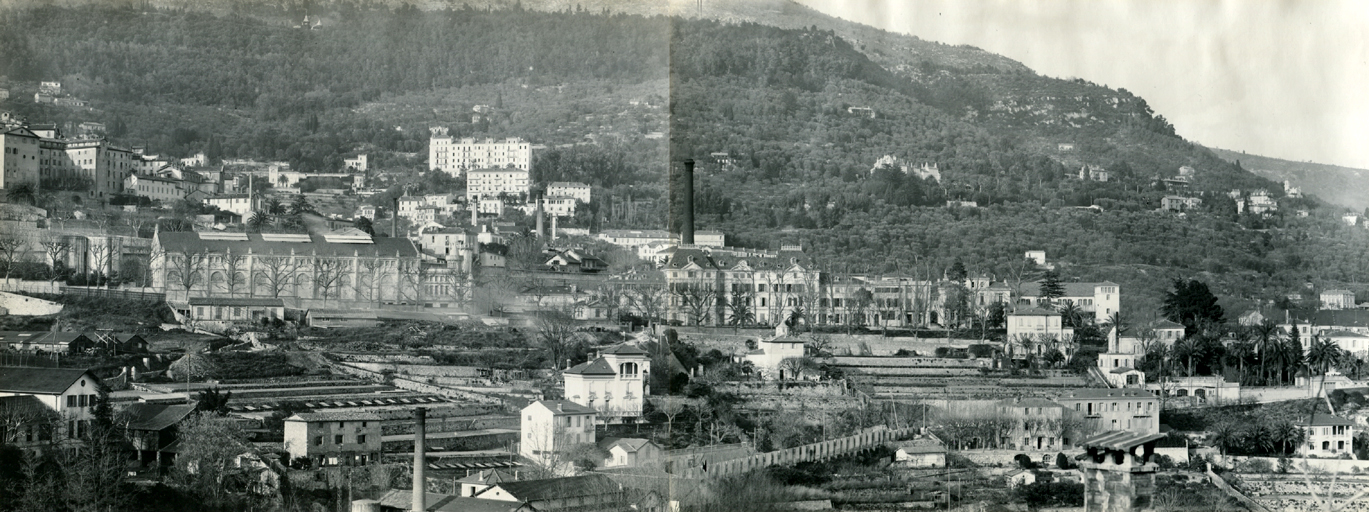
(613, 384)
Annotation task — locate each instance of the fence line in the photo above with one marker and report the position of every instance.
(823, 450)
(113, 293)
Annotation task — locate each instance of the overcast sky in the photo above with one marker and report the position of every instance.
(1285, 78)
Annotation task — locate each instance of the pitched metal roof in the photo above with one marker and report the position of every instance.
(1119, 440)
(596, 367)
(42, 381)
(145, 416)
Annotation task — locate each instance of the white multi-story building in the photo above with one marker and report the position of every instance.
(240, 204)
(454, 156)
(1327, 436)
(576, 190)
(19, 162)
(446, 242)
(1337, 299)
(614, 384)
(491, 183)
(356, 164)
(72, 393)
(334, 438)
(1044, 329)
(1136, 410)
(102, 164)
(549, 429)
(638, 237)
(1102, 299)
(769, 353)
(156, 188)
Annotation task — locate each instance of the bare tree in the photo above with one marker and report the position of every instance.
(554, 329)
(494, 293)
(647, 301)
(155, 255)
(697, 299)
(328, 275)
(187, 269)
(10, 249)
(367, 281)
(276, 272)
(101, 254)
(54, 246)
(234, 271)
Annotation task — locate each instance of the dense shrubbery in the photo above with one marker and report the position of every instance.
(1052, 494)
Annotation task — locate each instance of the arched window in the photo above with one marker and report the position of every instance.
(627, 370)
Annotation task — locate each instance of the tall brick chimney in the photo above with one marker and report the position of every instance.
(687, 198)
(420, 460)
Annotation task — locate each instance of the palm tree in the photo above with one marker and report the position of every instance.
(259, 220)
(1070, 314)
(274, 207)
(1224, 434)
(23, 192)
(1240, 351)
(1286, 433)
(1266, 335)
(1186, 348)
(1322, 356)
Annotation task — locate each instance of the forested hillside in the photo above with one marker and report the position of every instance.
(803, 112)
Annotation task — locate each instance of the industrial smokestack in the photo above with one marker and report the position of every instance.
(420, 460)
(687, 197)
(394, 219)
(539, 218)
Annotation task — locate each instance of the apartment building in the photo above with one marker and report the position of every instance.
(20, 157)
(491, 183)
(334, 438)
(1136, 410)
(455, 156)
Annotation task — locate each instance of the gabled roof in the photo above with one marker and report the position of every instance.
(917, 446)
(629, 444)
(145, 416)
(42, 381)
(20, 406)
(625, 349)
(560, 488)
(1166, 324)
(560, 407)
(596, 367)
(492, 476)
